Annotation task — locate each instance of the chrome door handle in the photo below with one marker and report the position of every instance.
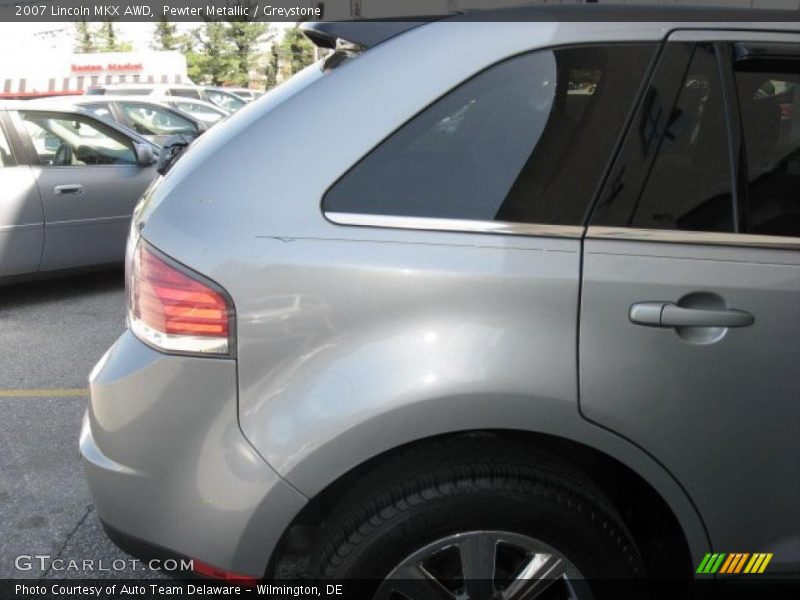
(667, 314)
(68, 189)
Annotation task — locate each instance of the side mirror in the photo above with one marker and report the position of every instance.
(170, 152)
(201, 127)
(144, 154)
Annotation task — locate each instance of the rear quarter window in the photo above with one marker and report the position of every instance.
(526, 140)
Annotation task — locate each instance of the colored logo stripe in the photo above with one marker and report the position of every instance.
(704, 564)
(727, 564)
(734, 563)
(758, 563)
(711, 563)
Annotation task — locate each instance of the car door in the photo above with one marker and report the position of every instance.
(690, 307)
(21, 217)
(89, 181)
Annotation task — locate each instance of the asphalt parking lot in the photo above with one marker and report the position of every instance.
(52, 333)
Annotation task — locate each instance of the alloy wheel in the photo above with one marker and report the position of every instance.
(485, 565)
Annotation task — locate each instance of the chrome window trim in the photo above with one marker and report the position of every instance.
(708, 238)
(18, 226)
(457, 225)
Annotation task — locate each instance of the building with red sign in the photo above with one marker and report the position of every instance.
(59, 75)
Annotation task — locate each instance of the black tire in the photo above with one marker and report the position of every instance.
(468, 484)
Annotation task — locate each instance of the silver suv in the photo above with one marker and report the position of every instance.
(473, 308)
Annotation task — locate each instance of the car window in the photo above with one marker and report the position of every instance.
(524, 141)
(185, 93)
(6, 158)
(202, 112)
(689, 186)
(148, 119)
(227, 101)
(769, 99)
(76, 140)
(101, 110)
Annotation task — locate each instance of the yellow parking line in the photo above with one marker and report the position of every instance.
(44, 393)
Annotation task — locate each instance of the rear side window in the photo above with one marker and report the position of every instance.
(769, 98)
(524, 141)
(689, 187)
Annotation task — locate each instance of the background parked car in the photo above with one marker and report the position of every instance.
(146, 116)
(68, 184)
(219, 96)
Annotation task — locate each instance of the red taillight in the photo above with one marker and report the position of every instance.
(174, 309)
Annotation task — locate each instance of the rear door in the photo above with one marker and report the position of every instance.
(21, 218)
(690, 316)
(89, 182)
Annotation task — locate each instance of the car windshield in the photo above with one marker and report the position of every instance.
(151, 120)
(227, 101)
(202, 112)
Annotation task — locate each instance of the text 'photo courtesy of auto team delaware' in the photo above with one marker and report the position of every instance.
(440, 299)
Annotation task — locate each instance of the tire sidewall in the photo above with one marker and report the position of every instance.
(573, 528)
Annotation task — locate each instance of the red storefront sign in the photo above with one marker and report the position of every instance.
(110, 68)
